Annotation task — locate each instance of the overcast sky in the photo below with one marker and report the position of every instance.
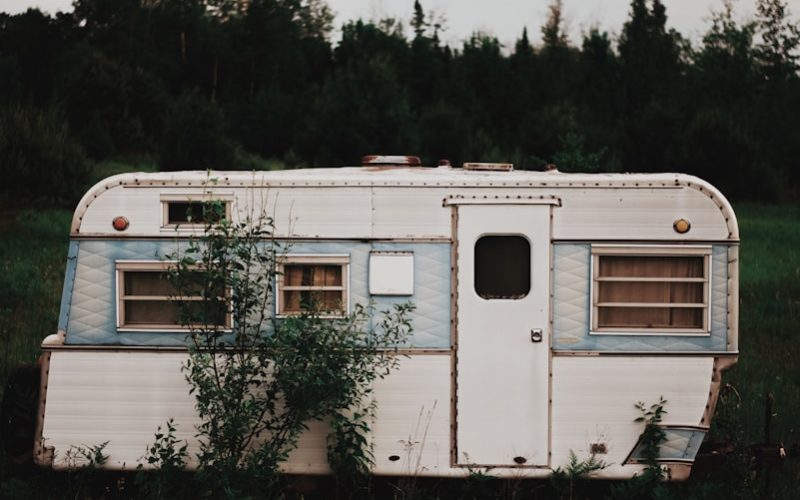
(501, 18)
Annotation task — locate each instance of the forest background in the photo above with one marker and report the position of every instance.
(234, 84)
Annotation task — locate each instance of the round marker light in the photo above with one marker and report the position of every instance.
(681, 226)
(120, 223)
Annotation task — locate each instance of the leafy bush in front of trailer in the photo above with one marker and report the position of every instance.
(258, 381)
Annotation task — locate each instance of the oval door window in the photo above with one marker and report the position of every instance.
(502, 267)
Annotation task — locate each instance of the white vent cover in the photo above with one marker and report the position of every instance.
(391, 273)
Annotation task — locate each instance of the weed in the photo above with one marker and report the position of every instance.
(167, 457)
(648, 484)
(565, 479)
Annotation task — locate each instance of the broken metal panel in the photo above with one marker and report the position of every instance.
(680, 444)
(594, 398)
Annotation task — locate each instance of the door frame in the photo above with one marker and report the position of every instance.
(454, 201)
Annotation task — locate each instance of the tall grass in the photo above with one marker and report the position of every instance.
(33, 253)
(769, 329)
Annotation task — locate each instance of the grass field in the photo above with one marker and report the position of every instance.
(33, 248)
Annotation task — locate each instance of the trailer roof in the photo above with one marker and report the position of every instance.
(404, 176)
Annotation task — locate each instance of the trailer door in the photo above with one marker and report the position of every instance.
(502, 334)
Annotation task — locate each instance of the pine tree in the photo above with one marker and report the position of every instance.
(418, 21)
(553, 34)
(777, 52)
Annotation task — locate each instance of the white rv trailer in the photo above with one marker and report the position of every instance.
(548, 304)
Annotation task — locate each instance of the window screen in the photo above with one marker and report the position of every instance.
(148, 300)
(194, 212)
(313, 284)
(644, 292)
(502, 267)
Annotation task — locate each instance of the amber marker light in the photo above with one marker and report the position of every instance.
(681, 226)
(120, 223)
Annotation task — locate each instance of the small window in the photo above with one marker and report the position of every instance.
(181, 211)
(147, 300)
(313, 283)
(650, 289)
(502, 267)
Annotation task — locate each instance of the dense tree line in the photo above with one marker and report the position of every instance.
(221, 83)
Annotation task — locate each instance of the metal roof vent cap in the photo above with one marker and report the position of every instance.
(399, 160)
(494, 167)
(551, 168)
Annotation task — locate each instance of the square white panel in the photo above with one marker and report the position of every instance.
(391, 273)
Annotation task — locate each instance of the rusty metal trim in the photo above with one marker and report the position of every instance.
(678, 471)
(147, 348)
(706, 354)
(454, 336)
(721, 363)
(550, 297)
(42, 455)
(298, 239)
(501, 200)
(500, 466)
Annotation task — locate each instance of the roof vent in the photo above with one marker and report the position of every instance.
(406, 161)
(495, 167)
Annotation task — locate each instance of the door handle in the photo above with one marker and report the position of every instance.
(536, 335)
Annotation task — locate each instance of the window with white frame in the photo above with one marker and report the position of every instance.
(315, 283)
(650, 289)
(189, 211)
(148, 300)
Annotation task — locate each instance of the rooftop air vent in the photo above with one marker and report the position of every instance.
(495, 167)
(406, 161)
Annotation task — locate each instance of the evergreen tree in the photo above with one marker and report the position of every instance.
(777, 52)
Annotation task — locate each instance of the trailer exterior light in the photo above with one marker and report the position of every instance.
(120, 223)
(681, 226)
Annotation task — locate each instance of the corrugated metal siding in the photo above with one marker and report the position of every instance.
(594, 398)
(638, 214)
(122, 398)
(410, 213)
(92, 310)
(572, 308)
(119, 397)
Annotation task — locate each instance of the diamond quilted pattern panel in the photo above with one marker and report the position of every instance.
(92, 312)
(571, 283)
(69, 285)
(571, 308)
(719, 298)
(90, 316)
(431, 293)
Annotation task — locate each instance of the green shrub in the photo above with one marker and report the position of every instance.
(258, 381)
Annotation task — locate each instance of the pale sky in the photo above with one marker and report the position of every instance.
(501, 18)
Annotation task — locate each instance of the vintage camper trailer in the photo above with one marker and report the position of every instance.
(612, 289)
